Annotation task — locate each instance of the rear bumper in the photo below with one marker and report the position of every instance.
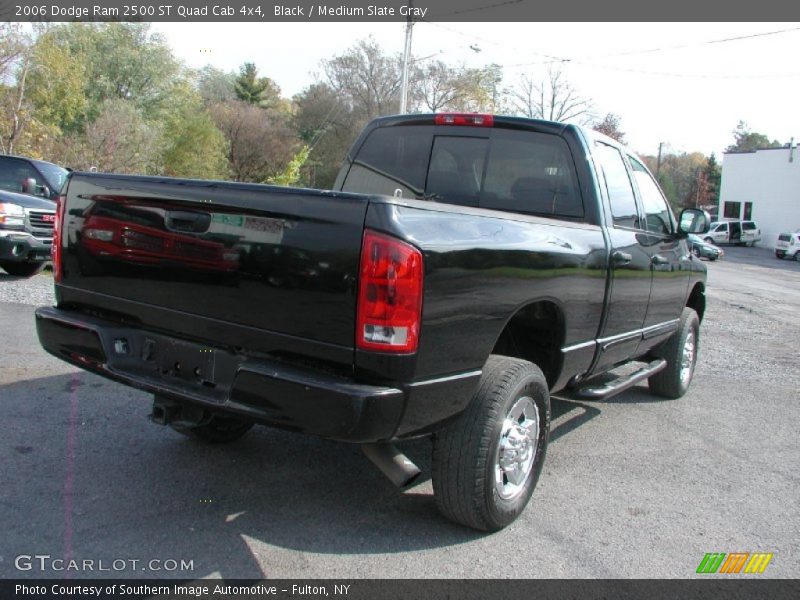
(267, 391)
(23, 247)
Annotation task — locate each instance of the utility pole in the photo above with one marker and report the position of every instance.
(658, 163)
(406, 61)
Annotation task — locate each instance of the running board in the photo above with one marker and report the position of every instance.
(611, 388)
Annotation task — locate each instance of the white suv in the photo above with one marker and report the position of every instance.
(788, 245)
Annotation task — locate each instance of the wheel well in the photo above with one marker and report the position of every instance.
(697, 300)
(535, 333)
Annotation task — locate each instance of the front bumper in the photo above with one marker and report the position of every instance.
(23, 247)
(265, 390)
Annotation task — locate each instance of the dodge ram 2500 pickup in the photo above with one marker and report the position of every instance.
(464, 268)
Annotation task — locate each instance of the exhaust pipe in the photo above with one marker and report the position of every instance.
(392, 463)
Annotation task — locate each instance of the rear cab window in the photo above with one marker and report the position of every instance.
(519, 171)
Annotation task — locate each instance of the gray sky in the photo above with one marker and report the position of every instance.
(685, 84)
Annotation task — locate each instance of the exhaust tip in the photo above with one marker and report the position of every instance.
(394, 464)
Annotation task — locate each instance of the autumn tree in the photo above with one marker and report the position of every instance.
(749, 141)
(261, 142)
(215, 85)
(552, 98)
(366, 78)
(610, 126)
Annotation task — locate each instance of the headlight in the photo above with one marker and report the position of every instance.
(11, 215)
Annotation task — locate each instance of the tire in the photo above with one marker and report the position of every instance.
(696, 252)
(680, 352)
(22, 269)
(471, 485)
(780, 256)
(709, 240)
(219, 430)
(713, 258)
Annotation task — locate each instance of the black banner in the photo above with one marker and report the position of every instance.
(394, 10)
(317, 589)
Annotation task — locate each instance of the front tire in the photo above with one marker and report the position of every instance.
(696, 252)
(218, 430)
(22, 269)
(680, 352)
(487, 462)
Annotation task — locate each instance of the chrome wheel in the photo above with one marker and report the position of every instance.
(688, 358)
(517, 449)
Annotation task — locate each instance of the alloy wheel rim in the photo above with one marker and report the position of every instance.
(517, 449)
(687, 357)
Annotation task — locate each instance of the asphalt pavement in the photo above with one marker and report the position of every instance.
(635, 486)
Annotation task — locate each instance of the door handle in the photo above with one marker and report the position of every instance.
(621, 258)
(659, 260)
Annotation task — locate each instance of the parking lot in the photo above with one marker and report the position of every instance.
(635, 486)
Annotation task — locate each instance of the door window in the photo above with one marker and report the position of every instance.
(618, 185)
(657, 214)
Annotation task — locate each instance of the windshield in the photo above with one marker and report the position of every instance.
(693, 238)
(55, 175)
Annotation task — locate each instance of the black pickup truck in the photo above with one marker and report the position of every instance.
(464, 268)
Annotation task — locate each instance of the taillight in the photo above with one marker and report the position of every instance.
(56, 248)
(464, 119)
(389, 295)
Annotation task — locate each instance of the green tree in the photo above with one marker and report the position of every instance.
(193, 146)
(252, 89)
(216, 85)
(750, 141)
(324, 121)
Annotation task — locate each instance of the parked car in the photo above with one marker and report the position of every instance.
(788, 245)
(30, 176)
(26, 233)
(741, 233)
(473, 264)
(703, 249)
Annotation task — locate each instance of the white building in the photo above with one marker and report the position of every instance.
(763, 186)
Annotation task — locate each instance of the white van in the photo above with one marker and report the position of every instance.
(741, 233)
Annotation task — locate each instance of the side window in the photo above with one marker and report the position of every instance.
(657, 214)
(618, 184)
(13, 172)
(722, 227)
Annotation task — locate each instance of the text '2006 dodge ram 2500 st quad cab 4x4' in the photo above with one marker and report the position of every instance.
(465, 267)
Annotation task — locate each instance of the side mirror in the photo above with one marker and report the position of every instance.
(693, 220)
(29, 186)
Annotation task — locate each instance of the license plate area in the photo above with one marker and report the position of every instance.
(183, 360)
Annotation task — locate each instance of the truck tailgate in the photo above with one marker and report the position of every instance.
(195, 254)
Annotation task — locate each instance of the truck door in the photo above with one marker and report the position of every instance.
(630, 273)
(670, 261)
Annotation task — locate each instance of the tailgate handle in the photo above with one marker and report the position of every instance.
(190, 222)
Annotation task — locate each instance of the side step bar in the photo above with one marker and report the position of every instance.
(611, 388)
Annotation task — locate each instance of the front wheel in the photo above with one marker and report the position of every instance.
(696, 252)
(22, 269)
(680, 352)
(487, 462)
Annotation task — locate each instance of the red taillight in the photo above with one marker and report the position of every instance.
(464, 119)
(389, 295)
(56, 248)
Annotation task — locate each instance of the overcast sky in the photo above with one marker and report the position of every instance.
(683, 84)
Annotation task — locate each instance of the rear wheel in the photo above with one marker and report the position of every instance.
(709, 240)
(487, 462)
(218, 430)
(680, 352)
(696, 251)
(22, 269)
